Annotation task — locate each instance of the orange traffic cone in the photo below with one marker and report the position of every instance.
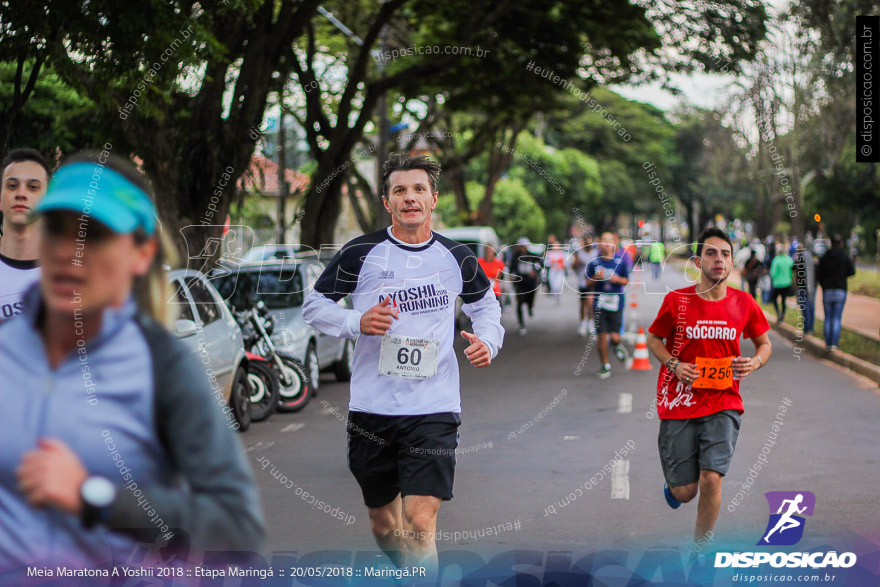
(634, 303)
(640, 355)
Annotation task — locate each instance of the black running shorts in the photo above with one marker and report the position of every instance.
(409, 455)
(608, 321)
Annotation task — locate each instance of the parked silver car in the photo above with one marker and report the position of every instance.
(282, 286)
(206, 326)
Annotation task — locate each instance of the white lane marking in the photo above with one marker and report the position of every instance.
(293, 427)
(260, 444)
(625, 403)
(620, 480)
(570, 437)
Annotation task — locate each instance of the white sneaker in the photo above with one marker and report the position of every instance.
(582, 329)
(522, 331)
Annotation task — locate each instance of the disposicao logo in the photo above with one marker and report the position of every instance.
(785, 528)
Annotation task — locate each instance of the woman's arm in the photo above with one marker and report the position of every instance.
(216, 503)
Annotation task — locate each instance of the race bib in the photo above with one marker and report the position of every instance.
(408, 357)
(714, 373)
(609, 302)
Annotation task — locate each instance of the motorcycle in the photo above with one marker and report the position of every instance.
(264, 385)
(292, 384)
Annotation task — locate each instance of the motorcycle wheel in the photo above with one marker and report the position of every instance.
(239, 402)
(265, 390)
(296, 394)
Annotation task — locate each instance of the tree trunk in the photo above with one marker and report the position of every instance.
(455, 176)
(321, 211)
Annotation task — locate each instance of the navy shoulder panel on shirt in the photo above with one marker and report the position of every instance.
(340, 278)
(473, 279)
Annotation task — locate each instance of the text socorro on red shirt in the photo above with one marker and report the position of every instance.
(694, 327)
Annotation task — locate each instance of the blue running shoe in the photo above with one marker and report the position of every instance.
(670, 499)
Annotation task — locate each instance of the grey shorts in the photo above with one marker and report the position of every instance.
(691, 445)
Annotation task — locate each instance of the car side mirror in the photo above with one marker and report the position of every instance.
(185, 328)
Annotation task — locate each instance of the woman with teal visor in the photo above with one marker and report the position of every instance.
(112, 437)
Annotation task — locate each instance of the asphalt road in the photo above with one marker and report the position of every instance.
(536, 427)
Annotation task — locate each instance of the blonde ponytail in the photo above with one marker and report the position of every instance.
(153, 293)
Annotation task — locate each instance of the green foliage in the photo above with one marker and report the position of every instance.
(252, 212)
(619, 136)
(558, 180)
(517, 213)
(54, 121)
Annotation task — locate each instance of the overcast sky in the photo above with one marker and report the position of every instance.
(703, 90)
(699, 89)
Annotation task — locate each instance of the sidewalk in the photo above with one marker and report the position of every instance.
(860, 314)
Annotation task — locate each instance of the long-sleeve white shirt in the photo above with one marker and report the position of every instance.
(423, 281)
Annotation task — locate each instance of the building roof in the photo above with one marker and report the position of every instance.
(262, 176)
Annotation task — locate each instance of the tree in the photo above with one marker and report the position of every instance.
(606, 39)
(178, 86)
(55, 120)
(517, 214)
(622, 141)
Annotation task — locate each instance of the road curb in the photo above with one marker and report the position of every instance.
(817, 347)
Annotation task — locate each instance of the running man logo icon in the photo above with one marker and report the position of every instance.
(786, 526)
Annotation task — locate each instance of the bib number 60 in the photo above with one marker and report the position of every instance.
(405, 356)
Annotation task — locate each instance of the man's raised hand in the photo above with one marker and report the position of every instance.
(478, 351)
(377, 320)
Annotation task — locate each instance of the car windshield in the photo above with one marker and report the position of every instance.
(474, 246)
(277, 286)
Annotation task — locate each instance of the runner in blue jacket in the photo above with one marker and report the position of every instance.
(111, 433)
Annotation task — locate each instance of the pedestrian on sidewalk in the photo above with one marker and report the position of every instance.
(805, 270)
(780, 276)
(834, 268)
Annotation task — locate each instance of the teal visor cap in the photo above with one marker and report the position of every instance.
(101, 193)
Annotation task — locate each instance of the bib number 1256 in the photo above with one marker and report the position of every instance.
(714, 373)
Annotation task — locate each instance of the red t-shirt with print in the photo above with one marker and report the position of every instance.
(694, 327)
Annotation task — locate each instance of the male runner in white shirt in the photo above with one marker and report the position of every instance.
(405, 400)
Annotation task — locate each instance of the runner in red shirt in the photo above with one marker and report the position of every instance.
(492, 266)
(698, 398)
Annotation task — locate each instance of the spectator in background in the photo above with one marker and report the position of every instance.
(766, 282)
(805, 273)
(97, 315)
(780, 276)
(752, 272)
(834, 268)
